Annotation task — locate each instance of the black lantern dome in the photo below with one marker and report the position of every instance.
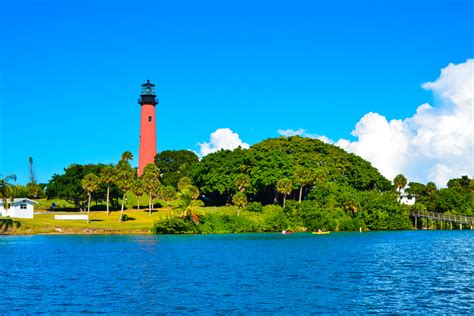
(148, 95)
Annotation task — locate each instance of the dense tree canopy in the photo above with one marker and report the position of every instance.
(457, 198)
(305, 161)
(175, 164)
(68, 186)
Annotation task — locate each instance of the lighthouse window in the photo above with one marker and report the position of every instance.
(149, 119)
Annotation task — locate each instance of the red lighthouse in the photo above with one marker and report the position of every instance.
(148, 101)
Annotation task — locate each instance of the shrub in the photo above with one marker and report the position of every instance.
(276, 221)
(254, 207)
(174, 225)
(224, 224)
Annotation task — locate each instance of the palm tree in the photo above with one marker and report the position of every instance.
(242, 182)
(350, 204)
(90, 184)
(107, 176)
(188, 201)
(430, 188)
(124, 175)
(240, 200)
(7, 224)
(285, 187)
(183, 183)
(151, 182)
(127, 156)
(138, 189)
(400, 182)
(168, 193)
(7, 190)
(304, 177)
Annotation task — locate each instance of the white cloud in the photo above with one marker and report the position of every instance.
(302, 132)
(291, 132)
(435, 144)
(222, 138)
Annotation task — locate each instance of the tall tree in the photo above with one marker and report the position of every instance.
(285, 187)
(400, 182)
(151, 182)
(240, 200)
(124, 175)
(31, 170)
(6, 189)
(90, 184)
(215, 174)
(175, 164)
(107, 176)
(242, 182)
(32, 186)
(168, 193)
(138, 189)
(430, 188)
(303, 177)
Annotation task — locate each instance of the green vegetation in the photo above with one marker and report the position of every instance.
(306, 162)
(90, 184)
(137, 222)
(293, 183)
(400, 182)
(151, 182)
(457, 198)
(7, 189)
(174, 165)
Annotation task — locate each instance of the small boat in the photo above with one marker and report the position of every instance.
(285, 232)
(320, 233)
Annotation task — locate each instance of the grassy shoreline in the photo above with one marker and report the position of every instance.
(100, 224)
(140, 222)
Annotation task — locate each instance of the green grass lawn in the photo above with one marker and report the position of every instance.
(100, 223)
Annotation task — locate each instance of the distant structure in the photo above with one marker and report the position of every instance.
(19, 208)
(407, 199)
(147, 150)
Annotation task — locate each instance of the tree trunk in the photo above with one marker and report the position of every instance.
(121, 211)
(284, 200)
(301, 194)
(149, 204)
(138, 202)
(89, 208)
(108, 193)
(77, 204)
(275, 196)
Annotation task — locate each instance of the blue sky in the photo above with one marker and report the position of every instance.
(70, 71)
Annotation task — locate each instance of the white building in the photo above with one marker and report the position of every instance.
(20, 208)
(407, 199)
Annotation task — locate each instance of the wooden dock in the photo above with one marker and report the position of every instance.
(440, 218)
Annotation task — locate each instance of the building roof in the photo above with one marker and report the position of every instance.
(17, 200)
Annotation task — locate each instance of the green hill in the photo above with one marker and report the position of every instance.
(295, 158)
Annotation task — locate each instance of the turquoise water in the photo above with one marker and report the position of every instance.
(389, 272)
